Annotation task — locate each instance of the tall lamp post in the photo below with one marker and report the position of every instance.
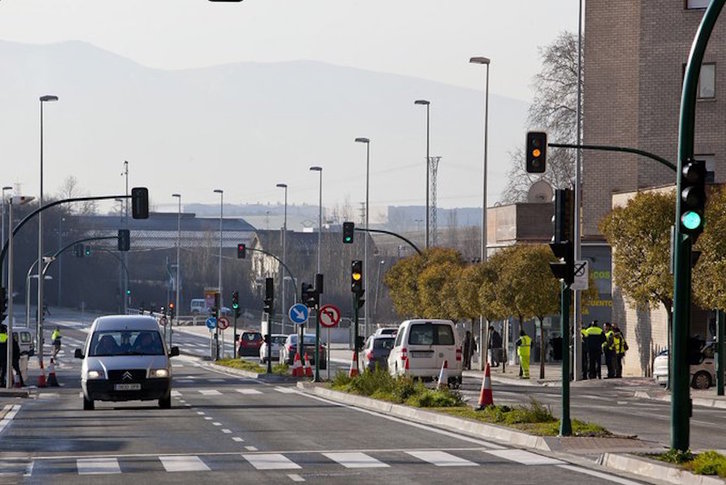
(426, 103)
(219, 280)
(2, 238)
(48, 98)
(320, 229)
(284, 259)
(365, 236)
(178, 259)
(483, 327)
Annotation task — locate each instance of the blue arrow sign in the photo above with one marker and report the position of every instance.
(211, 323)
(298, 313)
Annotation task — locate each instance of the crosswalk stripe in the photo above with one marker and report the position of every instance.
(524, 457)
(97, 466)
(175, 393)
(441, 458)
(271, 461)
(355, 460)
(285, 390)
(248, 391)
(210, 392)
(183, 464)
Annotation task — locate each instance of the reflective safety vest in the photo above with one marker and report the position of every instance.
(55, 335)
(3, 337)
(525, 342)
(609, 343)
(619, 343)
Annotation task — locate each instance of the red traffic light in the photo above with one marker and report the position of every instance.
(241, 251)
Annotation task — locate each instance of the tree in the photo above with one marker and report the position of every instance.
(709, 285)
(70, 189)
(554, 109)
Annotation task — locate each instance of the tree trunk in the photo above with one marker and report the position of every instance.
(541, 349)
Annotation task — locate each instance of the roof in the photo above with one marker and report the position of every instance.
(125, 322)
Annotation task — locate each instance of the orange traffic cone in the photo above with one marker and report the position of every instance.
(41, 377)
(52, 381)
(443, 376)
(308, 367)
(353, 365)
(297, 370)
(485, 396)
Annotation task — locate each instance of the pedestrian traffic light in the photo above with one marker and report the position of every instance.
(693, 197)
(235, 303)
(269, 295)
(308, 295)
(356, 276)
(3, 303)
(536, 156)
(124, 239)
(78, 250)
(241, 251)
(564, 214)
(348, 231)
(140, 203)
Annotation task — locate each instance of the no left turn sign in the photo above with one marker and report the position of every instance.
(222, 323)
(329, 316)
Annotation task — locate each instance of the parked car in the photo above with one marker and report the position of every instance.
(198, 306)
(125, 359)
(289, 349)
(249, 343)
(25, 342)
(422, 346)
(278, 340)
(389, 331)
(376, 351)
(702, 368)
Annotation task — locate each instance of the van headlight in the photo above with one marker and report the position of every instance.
(94, 374)
(159, 373)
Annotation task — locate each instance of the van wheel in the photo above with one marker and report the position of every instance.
(88, 404)
(165, 402)
(701, 380)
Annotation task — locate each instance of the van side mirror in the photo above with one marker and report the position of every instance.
(78, 354)
(174, 351)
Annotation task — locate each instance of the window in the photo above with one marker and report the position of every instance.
(696, 4)
(706, 81)
(431, 334)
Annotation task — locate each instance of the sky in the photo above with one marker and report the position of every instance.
(427, 39)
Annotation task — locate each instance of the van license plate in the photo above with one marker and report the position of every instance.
(127, 387)
(423, 353)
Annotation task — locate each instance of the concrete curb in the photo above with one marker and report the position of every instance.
(22, 392)
(697, 401)
(655, 470)
(249, 374)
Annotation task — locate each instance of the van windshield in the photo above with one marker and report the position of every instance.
(126, 342)
(431, 334)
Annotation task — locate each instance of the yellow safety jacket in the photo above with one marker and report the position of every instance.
(55, 335)
(618, 343)
(3, 337)
(525, 342)
(609, 343)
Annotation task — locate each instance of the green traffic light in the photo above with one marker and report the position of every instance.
(235, 305)
(348, 239)
(128, 292)
(691, 220)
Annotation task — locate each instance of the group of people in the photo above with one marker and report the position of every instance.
(495, 348)
(4, 356)
(596, 342)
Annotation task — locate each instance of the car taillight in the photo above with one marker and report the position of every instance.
(290, 348)
(404, 354)
(369, 355)
(458, 354)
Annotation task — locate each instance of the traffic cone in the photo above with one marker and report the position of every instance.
(52, 381)
(308, 367)
(297, 370)
(41, 377)
(17, 380)
(443, 376)
(353, 371)
(485, 396)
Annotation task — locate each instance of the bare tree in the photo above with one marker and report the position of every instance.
(554, 110)
(70, 189)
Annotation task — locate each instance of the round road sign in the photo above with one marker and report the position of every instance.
(163, 321)
(211, 323)
(223, 323)
(329, 316)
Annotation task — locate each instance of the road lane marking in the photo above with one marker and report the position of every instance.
(605, 476)
(210, 392)
(201, 413)
(248, 391)
(524, 457)
(208, 418)
(286, 390)
(227, 431)
(441, 458)
(250, 448)
(13, 410)
(237, 439)
(97, 466)
(271, 461)
(183, 464)
(356, 460)
(216, 424)
(295, 477)
(175, 393)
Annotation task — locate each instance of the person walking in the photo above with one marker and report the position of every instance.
(523, 344)
(594, 337)
(620, 346)
(3, 353)
(583, 336)
(469, 347)
(608, 347)
(16, 359)
(55, 337)
(495, 346)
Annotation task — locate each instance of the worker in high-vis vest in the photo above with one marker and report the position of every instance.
(3, 354)
(523, 344)
(608, 348)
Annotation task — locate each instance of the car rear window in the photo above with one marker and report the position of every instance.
(383, 343)
(431, 334)
(251, 337)
(278, 340)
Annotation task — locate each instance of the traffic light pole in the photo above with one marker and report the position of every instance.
(355, 330)
(381, 231)
(565, 423)
(680, 399)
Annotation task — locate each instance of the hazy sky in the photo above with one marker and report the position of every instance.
(430, 39)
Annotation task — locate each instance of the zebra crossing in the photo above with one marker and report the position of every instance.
(203, 392)
(303, 461)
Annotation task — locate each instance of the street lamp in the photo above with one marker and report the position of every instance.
(2, 238)
(483, 328)
(320, 210)
(178, 265)
(426, 103)
(43, 99)
(284, 258)
(219, 280)
(320, 232)
(365, 236)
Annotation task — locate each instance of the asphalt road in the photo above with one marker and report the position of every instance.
(227, 429)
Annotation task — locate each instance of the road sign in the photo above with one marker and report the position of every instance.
(163, 321)
(298, 313)
(329, 315)
(211, 323)
(582, 272)
(223, 323)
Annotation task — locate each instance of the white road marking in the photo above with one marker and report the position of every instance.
(201, 413)
(286, 390)
(248, 391)
(183, 464)
(216, 424)
(208, 418)
(183, 381)
(355, 460)
(14, 409)
(441, 458)
(295, 477)
(605, 476)
(97, 466)
(524, 457)
(271, 461)
(29, 469)
(175, 393)
(250, 448)
(227, 431)
(237, 439)
(210, 392)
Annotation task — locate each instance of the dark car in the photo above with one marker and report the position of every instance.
(289, 350)
(376, 351)
(249, 344)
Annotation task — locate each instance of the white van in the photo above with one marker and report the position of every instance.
(422, 346)
(125, 359)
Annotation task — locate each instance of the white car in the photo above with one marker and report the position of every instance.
(278, 341)
(703, 374)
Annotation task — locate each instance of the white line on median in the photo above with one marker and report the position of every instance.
(356, 460)
(271, 461)
(183, 464)
(97, 466)
(441, 458)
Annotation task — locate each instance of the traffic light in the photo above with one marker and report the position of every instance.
(128, 292)
(348, 231)
(235, 304)
(124, 239)
(241, 251)
(564, 269)
(536, 152)
(693, 197)
(140, 203)
(564, 215)
(78, 250)
(172, 310)
(3, 303)
(269, 295)
(356, 276)
(308, 295)
(87, 251)
(162, 310)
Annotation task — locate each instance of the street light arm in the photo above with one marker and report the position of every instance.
(608, 148)
(381, 231)
(279, 261)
